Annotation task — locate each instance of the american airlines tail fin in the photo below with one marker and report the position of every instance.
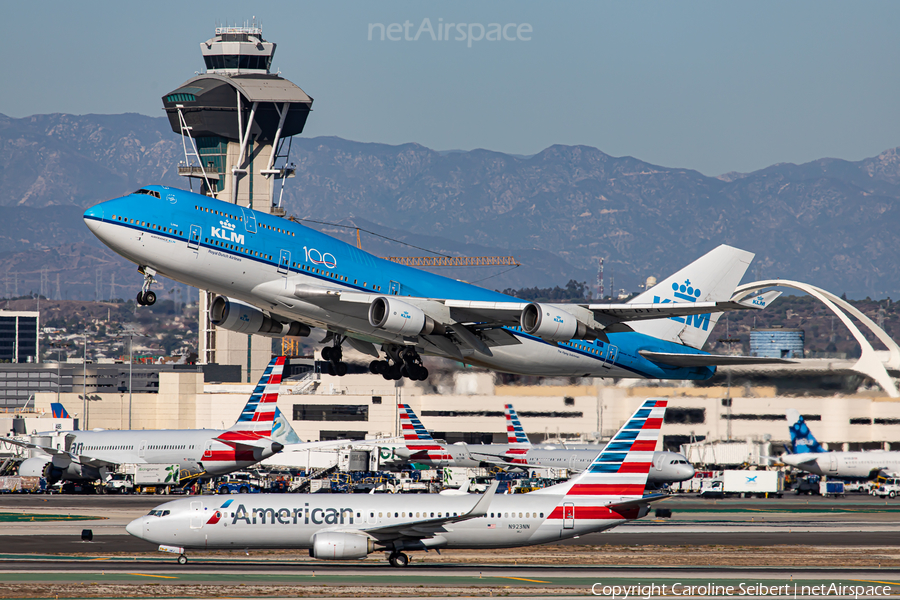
(712, 277)
(515, 433)
(802, 439)
(419, 443)
(612, 487)
(257, 420)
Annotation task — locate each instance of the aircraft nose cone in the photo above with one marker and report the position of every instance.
(136, 528)
(93, 218)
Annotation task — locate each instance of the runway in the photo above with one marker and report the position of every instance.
(850, 541)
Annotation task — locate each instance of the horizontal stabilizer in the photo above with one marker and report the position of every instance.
(638, 501)
(676, 359)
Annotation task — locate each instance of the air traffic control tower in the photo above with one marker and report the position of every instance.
(236, 122)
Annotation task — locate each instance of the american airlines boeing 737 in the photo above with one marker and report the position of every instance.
(260, 432)
(351, 526)
(276, 277)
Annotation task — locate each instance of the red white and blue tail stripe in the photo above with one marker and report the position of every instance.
(618, 474)
(258, 417)
(515, 433)
(418, 441)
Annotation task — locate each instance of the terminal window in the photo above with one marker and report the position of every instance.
(331, 412)
(685, 416)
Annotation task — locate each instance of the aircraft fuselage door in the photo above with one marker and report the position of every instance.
(196, 515)
(568, 515)
(142, 449)
(659, 459)
(249, 220)
(194, 237)
(284, 261)
(395, 288)
(832, 466)
(207, 449)
(612, 352)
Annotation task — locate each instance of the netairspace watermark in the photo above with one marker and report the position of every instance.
(446, 32)
(755, 590)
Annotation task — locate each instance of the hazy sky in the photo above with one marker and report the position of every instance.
(714, 86)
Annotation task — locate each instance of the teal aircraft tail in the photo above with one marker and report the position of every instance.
(802, 439)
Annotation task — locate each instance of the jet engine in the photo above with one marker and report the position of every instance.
(40, 467)
(550, 323)
(332, 545)
(400, 317)
(243, 318)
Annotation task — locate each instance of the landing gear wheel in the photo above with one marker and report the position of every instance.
(149, 298)
(326, 353)
(398, 559)
(377, 367)
(182, 560)
(140, 299)
(340, 369)
(331, 370)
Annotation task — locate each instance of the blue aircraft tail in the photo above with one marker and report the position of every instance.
(59, 411)
(802, 439)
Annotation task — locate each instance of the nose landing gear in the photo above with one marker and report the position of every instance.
(146, 297)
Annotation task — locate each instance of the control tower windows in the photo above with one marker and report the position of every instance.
(237, 61)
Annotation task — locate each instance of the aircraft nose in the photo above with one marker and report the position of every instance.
(93, 218)
(136, 528)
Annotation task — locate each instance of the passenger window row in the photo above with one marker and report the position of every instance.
(147, 225)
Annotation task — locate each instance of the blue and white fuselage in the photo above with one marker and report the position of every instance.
(295, 273)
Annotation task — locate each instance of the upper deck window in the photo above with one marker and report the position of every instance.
(148, 192)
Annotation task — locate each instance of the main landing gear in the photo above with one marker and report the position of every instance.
(182, 559)
(335, 357)
(398, 559)
(146, 297)
(404, 362)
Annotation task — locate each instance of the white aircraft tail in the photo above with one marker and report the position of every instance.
(711, 278)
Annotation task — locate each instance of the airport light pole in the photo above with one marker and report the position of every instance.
(130, 332)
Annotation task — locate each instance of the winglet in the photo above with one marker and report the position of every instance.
(484, 503)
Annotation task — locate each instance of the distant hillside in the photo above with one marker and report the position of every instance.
(830, 222)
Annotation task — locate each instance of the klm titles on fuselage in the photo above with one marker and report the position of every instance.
(227, 233)
(689, 294)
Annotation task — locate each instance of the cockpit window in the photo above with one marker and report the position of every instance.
(158, 513)
(148, 192)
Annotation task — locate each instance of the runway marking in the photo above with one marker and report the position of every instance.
(147, 575)
(873, 581)
(101, 558)
(523, 579)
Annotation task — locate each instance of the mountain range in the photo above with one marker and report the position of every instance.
(830, 222)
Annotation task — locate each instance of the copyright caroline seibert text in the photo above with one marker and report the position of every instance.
(750, 590)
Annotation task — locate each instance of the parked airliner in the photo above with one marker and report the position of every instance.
(422, 448)
(275, 277)
(351, 526)
(260, 432)
(809, 455)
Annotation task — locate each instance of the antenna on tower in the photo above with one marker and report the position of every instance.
(58, 294)
(600, 279)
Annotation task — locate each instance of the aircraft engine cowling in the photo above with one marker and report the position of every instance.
(235, 315)
(400, 317)
(551, 323)
(332, 545)
(39, 467)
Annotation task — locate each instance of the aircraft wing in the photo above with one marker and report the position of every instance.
(427, 528)
(487, 314)
(709, 360)
(78, 458)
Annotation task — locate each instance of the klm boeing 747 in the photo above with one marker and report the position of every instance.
(275, 277)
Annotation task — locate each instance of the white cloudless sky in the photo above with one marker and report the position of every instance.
(713, 86)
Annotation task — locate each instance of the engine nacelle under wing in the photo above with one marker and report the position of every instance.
(400, 317)
(42, 467)
(551, 323)
(235, 315)
(333, 545)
